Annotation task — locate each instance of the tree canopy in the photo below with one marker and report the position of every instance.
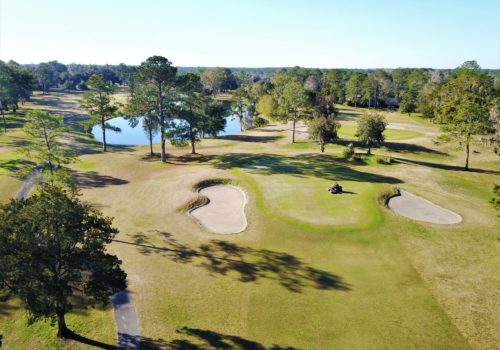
(42, 147)
(52, 248)
(371, 127)
(100, 104)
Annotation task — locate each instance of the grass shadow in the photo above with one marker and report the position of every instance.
(245, 263)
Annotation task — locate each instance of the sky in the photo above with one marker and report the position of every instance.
(254, 33)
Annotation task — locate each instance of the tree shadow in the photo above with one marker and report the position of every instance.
(6, 309)
(70, 335)
(189, 159)
(202, 339)
(92, 179)
(245, 263)
(397, 147)
(303, 165)
(250, 138)
(445, 166)
(348, 115)
(16, 141)
(14, 165)
(12, 121)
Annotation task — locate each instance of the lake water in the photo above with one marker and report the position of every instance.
(130, 136)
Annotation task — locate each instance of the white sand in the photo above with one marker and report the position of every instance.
(225, 213)
(420, 209)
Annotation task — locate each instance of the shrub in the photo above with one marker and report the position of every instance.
(349, 151)
(260, 122)
(383, 159)
(386, 194)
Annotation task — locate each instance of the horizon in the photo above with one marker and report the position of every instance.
(257, 34)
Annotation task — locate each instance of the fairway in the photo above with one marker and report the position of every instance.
(302, 244)
(311, 269)
(349, 131)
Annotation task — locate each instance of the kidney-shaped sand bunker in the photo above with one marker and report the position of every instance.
(225, 211)
(420, 209)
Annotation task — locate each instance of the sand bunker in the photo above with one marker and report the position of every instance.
(420, 209)
(225, 212)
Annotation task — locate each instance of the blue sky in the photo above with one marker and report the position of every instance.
(254, 33)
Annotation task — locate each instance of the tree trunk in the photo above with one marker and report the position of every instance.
(162, 125)
(151, 142)
(62, 329)
(369, 150)
(103, 126)
(241, 121)
(322, 147)
(193, 149)
(467, 154)
(293, 132)
(4, 121)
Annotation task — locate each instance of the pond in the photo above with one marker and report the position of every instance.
(136, 136)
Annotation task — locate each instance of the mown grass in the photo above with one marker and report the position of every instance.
(312, 270)
(349, 131)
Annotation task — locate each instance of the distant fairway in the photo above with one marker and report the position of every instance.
(348, 132)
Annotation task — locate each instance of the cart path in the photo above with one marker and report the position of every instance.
(30, 182)
(127, 326)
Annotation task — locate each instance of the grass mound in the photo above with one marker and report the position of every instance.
(211, 182)
(386, 194)
(201, 200)
(194, 203)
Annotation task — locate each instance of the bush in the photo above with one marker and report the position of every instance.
(349, 151)
(386, 194)
(259, 122)
(383, 159)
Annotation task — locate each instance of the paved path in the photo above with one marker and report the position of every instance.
(31, 180)
(127, 326)
(420, 209)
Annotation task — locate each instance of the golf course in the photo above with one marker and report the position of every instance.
(241, 246)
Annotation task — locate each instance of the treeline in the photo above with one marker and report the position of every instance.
(404, 88)
(466, 101)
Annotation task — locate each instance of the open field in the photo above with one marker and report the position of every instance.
(311, 270)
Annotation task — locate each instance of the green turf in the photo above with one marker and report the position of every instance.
(349, 131)
(312, 270)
